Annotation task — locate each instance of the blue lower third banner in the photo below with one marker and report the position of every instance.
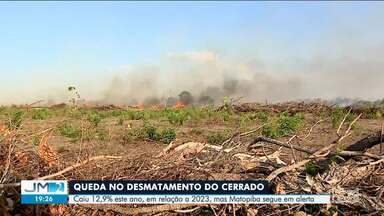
(159, 192)
(166, 187)
(202, 199)
(44, 199)
(44, 192)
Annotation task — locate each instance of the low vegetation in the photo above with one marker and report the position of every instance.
(16, 119)
(150, 132)
(69, 130)
(162, 125)
(283, 125)
(41, 114)
(139, 135)
(217, 138)
(338, 115)
(94, 119)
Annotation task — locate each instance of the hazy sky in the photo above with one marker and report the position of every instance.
(46, 46)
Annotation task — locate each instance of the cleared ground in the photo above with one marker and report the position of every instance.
(142, 137)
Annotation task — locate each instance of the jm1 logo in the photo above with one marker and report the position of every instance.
(50, 187)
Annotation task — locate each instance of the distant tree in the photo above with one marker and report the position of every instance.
(186, 97)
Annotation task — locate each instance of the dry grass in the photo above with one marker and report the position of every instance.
(141, 154)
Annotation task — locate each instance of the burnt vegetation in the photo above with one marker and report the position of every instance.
(302, 147)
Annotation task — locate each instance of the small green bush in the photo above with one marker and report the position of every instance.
(262, 116)
(177, 117)
(337, 116)
(94, 119)
(16, 119)
(289, 124)
(151, 132)
(373, 114)
(41, 114)
(193, 115)
(284, 125)
(311, 169)
(270, 131)
(216, 138)
(69, 130)
(226, 116)
(244, 120)
(167, 135)
(115, 113)
(134, 115)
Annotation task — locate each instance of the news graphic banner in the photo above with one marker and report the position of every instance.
(159, 192)
(44, 192)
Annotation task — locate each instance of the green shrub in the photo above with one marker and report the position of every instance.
(284, 125)
(338, 115)
(141, 114)
(270, 131)
(226, 116)
(244, 120)
(115, 113)
(262, 116)
(41, 114)
(151, 132)
(289, 124)
(311, 169)
(167, 135)
(95, 134)
(69, 130)
(134, 114)
(312, 209)
(373, 114)
(193, 115)
(16, 119)
(216, 138)
(94, 119)
(134, 134)
(177, 117)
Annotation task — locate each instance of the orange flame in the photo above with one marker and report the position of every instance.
(179, 105)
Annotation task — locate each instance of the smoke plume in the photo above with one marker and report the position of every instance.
(208, 78)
